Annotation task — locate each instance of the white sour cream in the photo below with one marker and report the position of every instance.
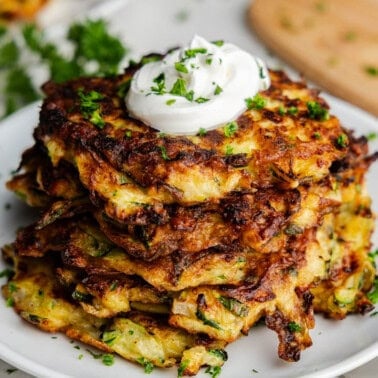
(201, 86)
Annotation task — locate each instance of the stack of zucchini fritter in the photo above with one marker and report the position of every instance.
(164, 249)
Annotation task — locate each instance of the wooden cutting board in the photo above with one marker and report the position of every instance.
(334, 43)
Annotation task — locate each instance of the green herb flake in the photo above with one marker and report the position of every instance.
(80, 356)
(201, 100)
(163, 152)
(160, 84)
(317, 111)
(317, 135)
(148, 365)
(219, 353)
(10, 302)
(373, 294)
(213, 371)
(202, 132)
(12, 287)
(181, 369)
(257, 102)
(342, 141)
(7, 273)
(180, 67)
(107, 359)
(191, 53)
(229, 150)
(208, 61)
(254, 371)
(128, 133)
(293, 110)
(218, 90)
(90, 107)
(218, 43)
(179, 88)
(230, 129)
(294, 327)
(371, 70)
(375, 313)
(372, 136)
(170, 101)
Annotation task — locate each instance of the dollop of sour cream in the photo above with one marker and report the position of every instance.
(198, 87)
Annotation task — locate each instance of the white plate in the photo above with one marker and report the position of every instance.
(148, 25)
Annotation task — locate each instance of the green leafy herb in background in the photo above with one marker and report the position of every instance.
(95, 52)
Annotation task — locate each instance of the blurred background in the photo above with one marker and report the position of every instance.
(331, 43)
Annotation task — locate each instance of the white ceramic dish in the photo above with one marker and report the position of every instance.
(155, 25)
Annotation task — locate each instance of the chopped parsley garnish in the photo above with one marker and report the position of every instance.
(214, 371)
(218, 90)
(160, 84)
(191, 53)
(170, 101)
(372, 136)
(371, 70)
(342, 140)
(317, 111)
(202, 132)
(148, 365)
(230, 129)
(373, 255)
(180, 67)
(229, 150)
(219, 353)
(208, 61)
(181, 369)
(257, 102)
(179, 88)
(90, 107)
(294, 327)
(218, 43)
(201, 100)
(8, 273)
(317, 135)
(10, 302)
(293, 110)
(373, 294)
(164, 154)
(108, 359)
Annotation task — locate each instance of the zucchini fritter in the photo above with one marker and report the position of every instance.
(164, 249)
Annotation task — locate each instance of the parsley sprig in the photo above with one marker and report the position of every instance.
(94, 52)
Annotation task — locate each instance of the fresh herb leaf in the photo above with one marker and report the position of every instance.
(8, 273)
(219, 353)
(230, 129)
(160, 84)
(179, 88)
(81, 297)
(180, 67)
(371, 70)
(191, 53)
(317, 111)
(294, 327)
(218, 90)
(218, 43)
(90, 107)
(201, 100)
(214, 371)
(148, 365)
(9, 54)
(164, 154)
(342, 140)
(373, 294)
(170, 101)
(257, 102)
(229, 150)
(107, 359)
(202, 132)
(181, 369)
(93, 42)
